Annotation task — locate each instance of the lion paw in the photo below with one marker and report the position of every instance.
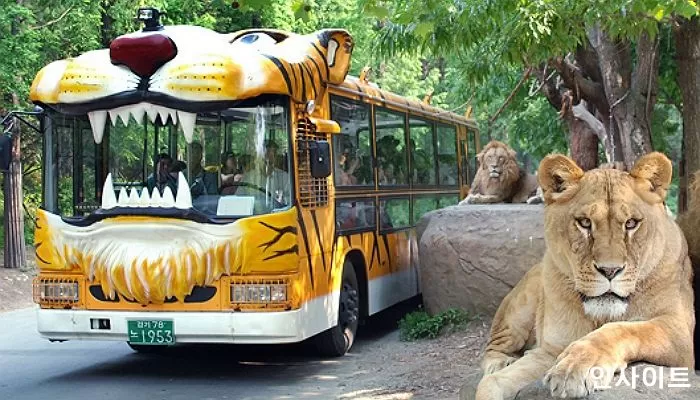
(494, 362)
(580, 370)
(536, 199)
(489, 389)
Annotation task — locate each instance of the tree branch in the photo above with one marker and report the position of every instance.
(581, 86)
(60, 17)
(511, 95)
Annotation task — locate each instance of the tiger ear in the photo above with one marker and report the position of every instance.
(337, 45)
(652, 173)
(558, 176)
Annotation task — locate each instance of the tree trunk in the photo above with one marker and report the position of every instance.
(583, 144)
(630, 89)
(687, 38)
(15, 248)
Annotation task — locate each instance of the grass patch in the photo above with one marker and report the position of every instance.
(419, 325)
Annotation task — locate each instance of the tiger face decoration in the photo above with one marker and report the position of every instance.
(181, 70)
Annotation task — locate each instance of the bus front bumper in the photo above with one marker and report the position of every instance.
(189, 327)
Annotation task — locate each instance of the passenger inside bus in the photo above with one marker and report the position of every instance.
(389, 153)
(201, 181)
(164, 175)
(230, 174)
(268, 178)
(346, 166)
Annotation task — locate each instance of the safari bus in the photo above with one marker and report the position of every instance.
(201, 187)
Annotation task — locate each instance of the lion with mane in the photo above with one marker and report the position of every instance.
(499, 179)
(614, 286)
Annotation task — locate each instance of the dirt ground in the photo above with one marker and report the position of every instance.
(16, 285)
(425, 369)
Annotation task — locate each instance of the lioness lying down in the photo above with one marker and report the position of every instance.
(614, 285)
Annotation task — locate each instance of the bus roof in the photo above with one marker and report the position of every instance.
(370, 91)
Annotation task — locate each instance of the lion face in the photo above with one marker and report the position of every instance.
(496, 158)
(606, 227)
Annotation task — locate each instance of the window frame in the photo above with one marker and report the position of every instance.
(404, 115)
(349, 231)
(372, 143)
(436, 176)
(381, 209)
(456, 153)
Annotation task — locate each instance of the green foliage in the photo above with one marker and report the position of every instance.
(419, 325)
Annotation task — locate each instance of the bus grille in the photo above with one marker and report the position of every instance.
(313, 192)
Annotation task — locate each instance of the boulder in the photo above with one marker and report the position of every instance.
(471, 256)
(641, 382)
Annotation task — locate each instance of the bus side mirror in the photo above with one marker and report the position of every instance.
(5, 152)
(320, 158)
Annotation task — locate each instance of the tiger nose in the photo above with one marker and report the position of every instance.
(142, 54)
(609, 270)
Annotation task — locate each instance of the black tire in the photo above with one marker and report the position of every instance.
(336, 341)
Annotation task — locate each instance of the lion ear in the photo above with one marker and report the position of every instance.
(652, 173)
(558, 176)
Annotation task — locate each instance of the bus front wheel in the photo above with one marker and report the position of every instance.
(336, 341)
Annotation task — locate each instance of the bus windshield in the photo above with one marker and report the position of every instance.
(237, 163)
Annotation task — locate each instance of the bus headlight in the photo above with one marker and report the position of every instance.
(56, 291)
(259, 292)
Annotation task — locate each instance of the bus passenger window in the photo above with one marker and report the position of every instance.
(447, 200)
(422, 205)
(394, 214)
(352, 148)
(422, 152)
(471, 156)
(447, 155)
(391, 148)
(353, 215)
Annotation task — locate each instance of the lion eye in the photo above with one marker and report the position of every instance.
(631, 223)
(584, 223)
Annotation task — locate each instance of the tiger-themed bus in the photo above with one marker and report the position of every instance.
(232, 188)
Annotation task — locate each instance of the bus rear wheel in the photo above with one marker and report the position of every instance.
(336, 341)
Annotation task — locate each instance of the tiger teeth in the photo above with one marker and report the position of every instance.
(137, 112)
(132, 198)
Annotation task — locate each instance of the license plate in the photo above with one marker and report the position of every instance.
(156, 332)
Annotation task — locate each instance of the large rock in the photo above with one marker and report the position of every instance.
(471, 256)
(651, 389)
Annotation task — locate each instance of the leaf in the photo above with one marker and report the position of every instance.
(377, 11)
(687, 9)
(659, 13)
(423, 29)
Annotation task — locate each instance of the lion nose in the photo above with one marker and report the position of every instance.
(609, 270)
(142, 54)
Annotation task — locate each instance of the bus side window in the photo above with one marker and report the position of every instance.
(422, 205)
(352, 148)
(392, 165)
(447, 155)
(422, 151)
(471, 156)
(353, 215)
(394, 214)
